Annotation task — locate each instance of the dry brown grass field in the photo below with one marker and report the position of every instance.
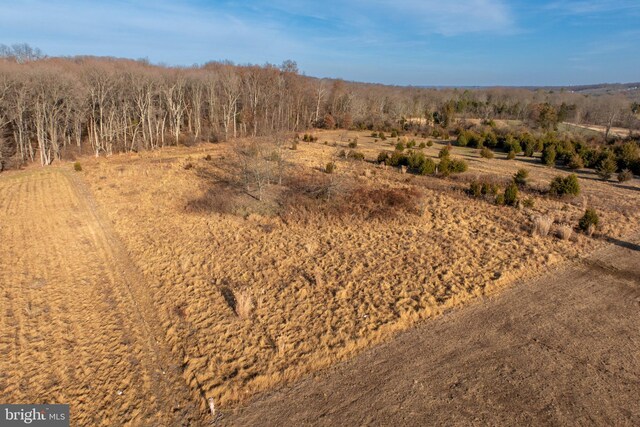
(147, 266)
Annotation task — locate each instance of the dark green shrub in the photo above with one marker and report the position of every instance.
(458, 166)
(625, 175)
(411, 143)
(528, 143)
(416, 159)
(355, 155)
(549, 155)
(448, 166)
(444, 152)
(77, 167)
(374, 134)
(398, 159)
(520, 178)
(489, 189)
(475, 189)
(576, 162)
(400, 146)
(500, 199)
(428, 167)
(589, 221)
(511, 194)
(353, 144)
(607, 167)
(383, 156)
(486, 153)
(568, 185)
(627, 154)
(422, 145)
(429, 143)
(394, 133)
(330, 168)
(462, 140)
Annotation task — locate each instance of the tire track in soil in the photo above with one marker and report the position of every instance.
(78, 324)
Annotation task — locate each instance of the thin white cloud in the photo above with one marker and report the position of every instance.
(162, 30)
(453, 18)
(586, 7)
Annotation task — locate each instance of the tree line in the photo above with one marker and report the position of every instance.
(52, 106)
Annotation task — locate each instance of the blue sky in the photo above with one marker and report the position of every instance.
(417, 42)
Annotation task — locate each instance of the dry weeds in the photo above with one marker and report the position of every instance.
(328, 285)
(541, 225)
(565, 232)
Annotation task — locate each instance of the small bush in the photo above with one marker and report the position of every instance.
(475, 189)
(489, 189)
(411, 143)
(208, 157)
(511, 194)
(353, 144)
(458, 166)
(589, 221)
(500, 199)
(625, 176)
(520, 178)
(374, 134)
(511, 155)
(398, 159)
(330, 167)
(77, 167)
(462, 140)
(186, 166)
(383, 157)
(486, 153)
(549, 155)
(400, 146)
(342, 154)
(576, 162)
(416, 159)
(606, 168)
(444, 152)
(422, 145)
(528, 202)
(568, 185)
(355, 155)
(428, 167)
(541, 226)
(429, 143)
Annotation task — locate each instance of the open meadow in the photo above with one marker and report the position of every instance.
(250, 298)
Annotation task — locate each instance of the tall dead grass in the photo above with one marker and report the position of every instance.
(541, 225)
(565, 232)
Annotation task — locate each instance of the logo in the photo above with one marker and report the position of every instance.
(34, 415)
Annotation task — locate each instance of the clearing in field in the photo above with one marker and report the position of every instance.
(149, 283)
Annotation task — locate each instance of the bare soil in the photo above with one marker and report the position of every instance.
(560, 350)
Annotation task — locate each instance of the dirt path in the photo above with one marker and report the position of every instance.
(76, 323)
(561, 350)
